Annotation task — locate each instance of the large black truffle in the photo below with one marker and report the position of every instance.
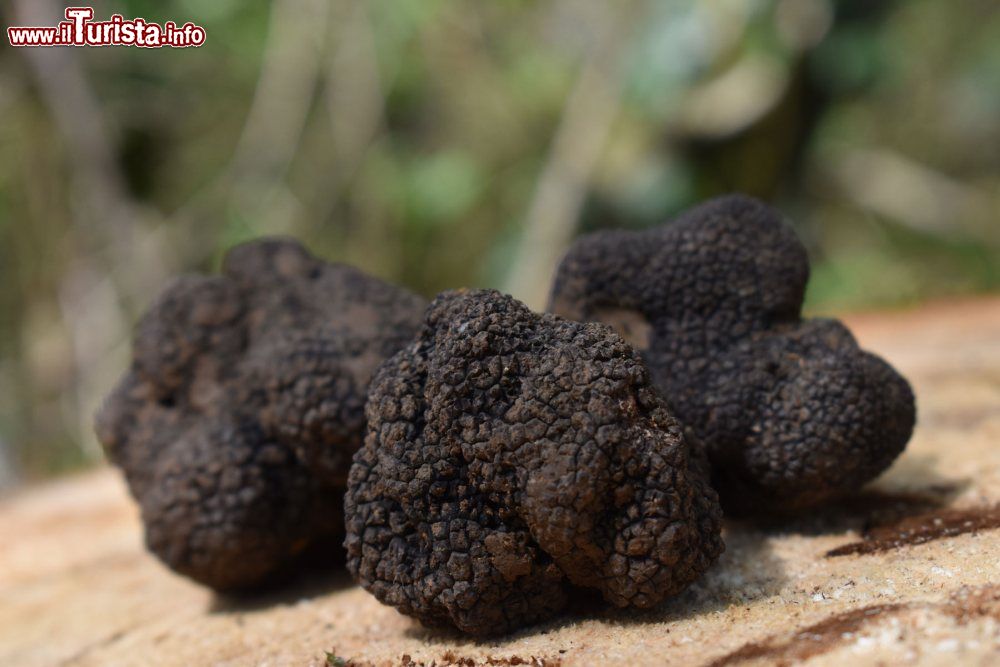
(244, 403)
(791, 412)
(512, 456)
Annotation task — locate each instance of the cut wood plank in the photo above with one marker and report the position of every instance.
(77, 587)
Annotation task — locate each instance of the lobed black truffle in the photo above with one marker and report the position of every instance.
(511, 457)
(244, 403)
(791, 412)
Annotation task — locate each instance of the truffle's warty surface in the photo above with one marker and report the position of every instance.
(511, 456)
(244, 403)
(791, 412)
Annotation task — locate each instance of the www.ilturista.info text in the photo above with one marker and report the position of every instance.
(80, 30)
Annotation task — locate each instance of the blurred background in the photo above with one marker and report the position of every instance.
(444, 143)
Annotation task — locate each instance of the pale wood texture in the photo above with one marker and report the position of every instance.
(77, 588)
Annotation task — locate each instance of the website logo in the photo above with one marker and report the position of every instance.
(79, 29)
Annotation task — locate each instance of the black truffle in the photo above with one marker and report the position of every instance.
(244, 403)
(512, 456)
(791, 412)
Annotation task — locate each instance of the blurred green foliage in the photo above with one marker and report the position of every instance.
(432, 142)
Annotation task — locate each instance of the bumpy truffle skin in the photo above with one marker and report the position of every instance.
(512, 456)
(791, 412)
(236, 423)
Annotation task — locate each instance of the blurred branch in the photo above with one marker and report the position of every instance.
(280, 107)
(587, 117)
(8, 474)
(76, 112)
(915, 195)
(355, 101)
(109, 222)
(733, 101)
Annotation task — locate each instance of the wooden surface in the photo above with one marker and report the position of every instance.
(918, 581)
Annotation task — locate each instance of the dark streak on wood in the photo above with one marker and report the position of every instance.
(971, 602)
(812, 640)
(451, 659)
(963, 605)
(920, 529)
